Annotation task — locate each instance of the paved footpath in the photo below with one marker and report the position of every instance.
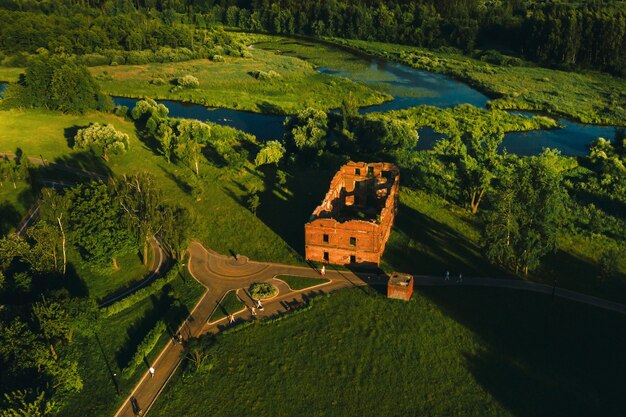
(220, 274)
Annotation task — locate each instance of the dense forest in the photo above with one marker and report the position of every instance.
(565, 34)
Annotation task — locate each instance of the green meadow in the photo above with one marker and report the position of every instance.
(449, 351)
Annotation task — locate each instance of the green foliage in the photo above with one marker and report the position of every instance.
(529, 207)
(14, 169)
(57, 82)
(144, 348)
(176, 232)
(271, 153)
(104, 138)
(265, 75)
(142, 293)
(306, 131)
(26, 403)
(262, 290)
(94, 223)
(53, 320)
(253, 202)
(188, 81)
(217, 58)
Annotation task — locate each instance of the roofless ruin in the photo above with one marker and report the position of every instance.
(353, 223)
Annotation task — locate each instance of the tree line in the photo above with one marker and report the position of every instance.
(581, 34)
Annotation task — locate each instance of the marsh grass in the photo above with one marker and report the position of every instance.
(588, 97)
(232, 84)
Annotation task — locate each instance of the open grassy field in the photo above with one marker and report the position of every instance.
(220, 216)
(589, 97)
(231, 84)
(448, 352)
(115, 341)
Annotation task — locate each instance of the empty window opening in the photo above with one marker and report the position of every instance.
(325, 238)
(326, 256)
(353, 241)
(352, 259)
(357, 171)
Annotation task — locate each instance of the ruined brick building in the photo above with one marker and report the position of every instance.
(353, 223)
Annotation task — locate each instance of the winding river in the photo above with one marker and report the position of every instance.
(409, 87)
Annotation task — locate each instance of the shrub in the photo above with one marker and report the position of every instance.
(262, 290)
(217, 58)
(142, 293)
(144, 348)
(264, 76)
(102, 137)
(158, 81)
(188, 81)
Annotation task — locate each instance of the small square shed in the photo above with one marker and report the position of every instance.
(400, 286)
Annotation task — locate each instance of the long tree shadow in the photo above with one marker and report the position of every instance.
(420, 244)
(575, 273)
(9, 217)
(542, 356)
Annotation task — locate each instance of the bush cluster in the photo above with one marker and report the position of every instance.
(188, 81)
(262, 290)
(144, 348)
(265, 75)
(141, 294)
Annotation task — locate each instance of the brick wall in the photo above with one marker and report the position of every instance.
(329, 239)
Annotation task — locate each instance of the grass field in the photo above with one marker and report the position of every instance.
(104, 280)
(230, 84)
(448, 352)
(115, 342)
(217, 204)
(230, 304)
(589, 97)
(300, 283)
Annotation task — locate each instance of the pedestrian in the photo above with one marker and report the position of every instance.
(259, 305)
(460, 278)
(231, 318)
(253, 311)
(151, 372)
(447, 275)
(323, 270)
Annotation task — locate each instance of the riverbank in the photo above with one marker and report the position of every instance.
(587, 97)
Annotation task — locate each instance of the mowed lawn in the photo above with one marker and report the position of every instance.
(231, 84)
(448, 352)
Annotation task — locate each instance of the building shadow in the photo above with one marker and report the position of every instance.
(420, 244)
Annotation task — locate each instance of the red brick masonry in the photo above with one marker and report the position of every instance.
(353, 223)
(400, 286)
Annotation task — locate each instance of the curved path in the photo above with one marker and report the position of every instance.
(220, 274)
(159, 256)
